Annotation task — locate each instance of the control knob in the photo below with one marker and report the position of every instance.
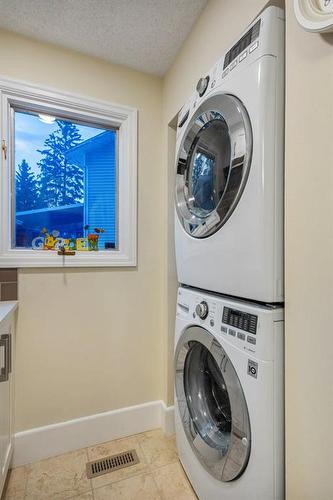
(202, 85)
(202, 310)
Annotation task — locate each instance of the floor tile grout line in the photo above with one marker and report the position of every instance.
(186, 478)
(90, 481)
(135, 474)
(142, 473)
(143, 452)
(157, 467)
(160, 492)
(115, 440)
(152, 469)
(147, 473)
(28, 469)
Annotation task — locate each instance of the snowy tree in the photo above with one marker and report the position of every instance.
(27, 196)
(60, 180)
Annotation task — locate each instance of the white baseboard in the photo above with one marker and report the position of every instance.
(168, 419)
(44, 442)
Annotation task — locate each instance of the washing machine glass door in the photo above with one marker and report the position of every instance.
(212, 405)
(212, 165)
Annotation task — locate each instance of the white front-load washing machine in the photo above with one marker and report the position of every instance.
(229, 409)
(229, 170)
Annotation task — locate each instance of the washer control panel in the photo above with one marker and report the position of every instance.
(235, 323)
(240, 320)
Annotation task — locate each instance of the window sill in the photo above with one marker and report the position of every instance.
(43, 258)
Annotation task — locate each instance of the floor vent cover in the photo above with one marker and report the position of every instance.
(111, 463)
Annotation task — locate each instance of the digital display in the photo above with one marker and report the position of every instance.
(239, 319)
(241, 45)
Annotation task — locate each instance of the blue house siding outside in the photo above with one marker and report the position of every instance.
(100, 191)
(98, 158)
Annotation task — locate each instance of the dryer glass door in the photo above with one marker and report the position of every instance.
(212, 165)
(212, 405)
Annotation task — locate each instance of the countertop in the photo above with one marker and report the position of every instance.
(7, 307)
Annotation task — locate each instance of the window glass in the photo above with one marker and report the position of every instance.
(209, 168)
(65, 184)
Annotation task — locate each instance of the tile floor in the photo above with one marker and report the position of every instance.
(158, 476)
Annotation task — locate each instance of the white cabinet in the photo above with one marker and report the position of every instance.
(7, 333)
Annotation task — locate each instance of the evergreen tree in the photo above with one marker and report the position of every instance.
(60, 181)
(26, 188)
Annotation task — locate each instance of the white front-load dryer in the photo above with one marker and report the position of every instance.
(229, 170)
(229, 409)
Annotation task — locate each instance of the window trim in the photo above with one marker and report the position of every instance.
(45, 100)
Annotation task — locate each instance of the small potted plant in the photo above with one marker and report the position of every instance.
(93, 237)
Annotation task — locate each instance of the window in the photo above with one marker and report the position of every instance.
(65, 184)
(69, 187)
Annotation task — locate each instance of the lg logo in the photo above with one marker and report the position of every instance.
(252, 368)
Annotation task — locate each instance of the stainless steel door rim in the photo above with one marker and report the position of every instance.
(212, 405)
(213, 163)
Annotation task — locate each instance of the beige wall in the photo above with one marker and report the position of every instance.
(90, 340)
(309, 258)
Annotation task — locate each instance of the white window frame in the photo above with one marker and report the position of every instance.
(43, 100)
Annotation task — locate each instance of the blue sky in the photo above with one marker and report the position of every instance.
(30, 135)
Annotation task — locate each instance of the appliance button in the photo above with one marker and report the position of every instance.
(225, 72)
(233, 64)
(232, 332)
(251, 340)
(243, 56)
(241, 336)
(212, 85)
(224, 329)
(202, 85)
(194, 315)
(202, 309)
(211, 322)
(254, 47)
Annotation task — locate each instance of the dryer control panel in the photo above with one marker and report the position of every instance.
(242, 44)
(264, 36)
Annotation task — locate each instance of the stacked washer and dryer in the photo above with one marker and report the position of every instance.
(229, 387)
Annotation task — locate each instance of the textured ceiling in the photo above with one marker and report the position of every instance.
(141, 34)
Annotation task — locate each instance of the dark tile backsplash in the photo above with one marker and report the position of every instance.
(8, 284)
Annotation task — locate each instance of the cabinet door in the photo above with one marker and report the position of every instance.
(5, 400)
